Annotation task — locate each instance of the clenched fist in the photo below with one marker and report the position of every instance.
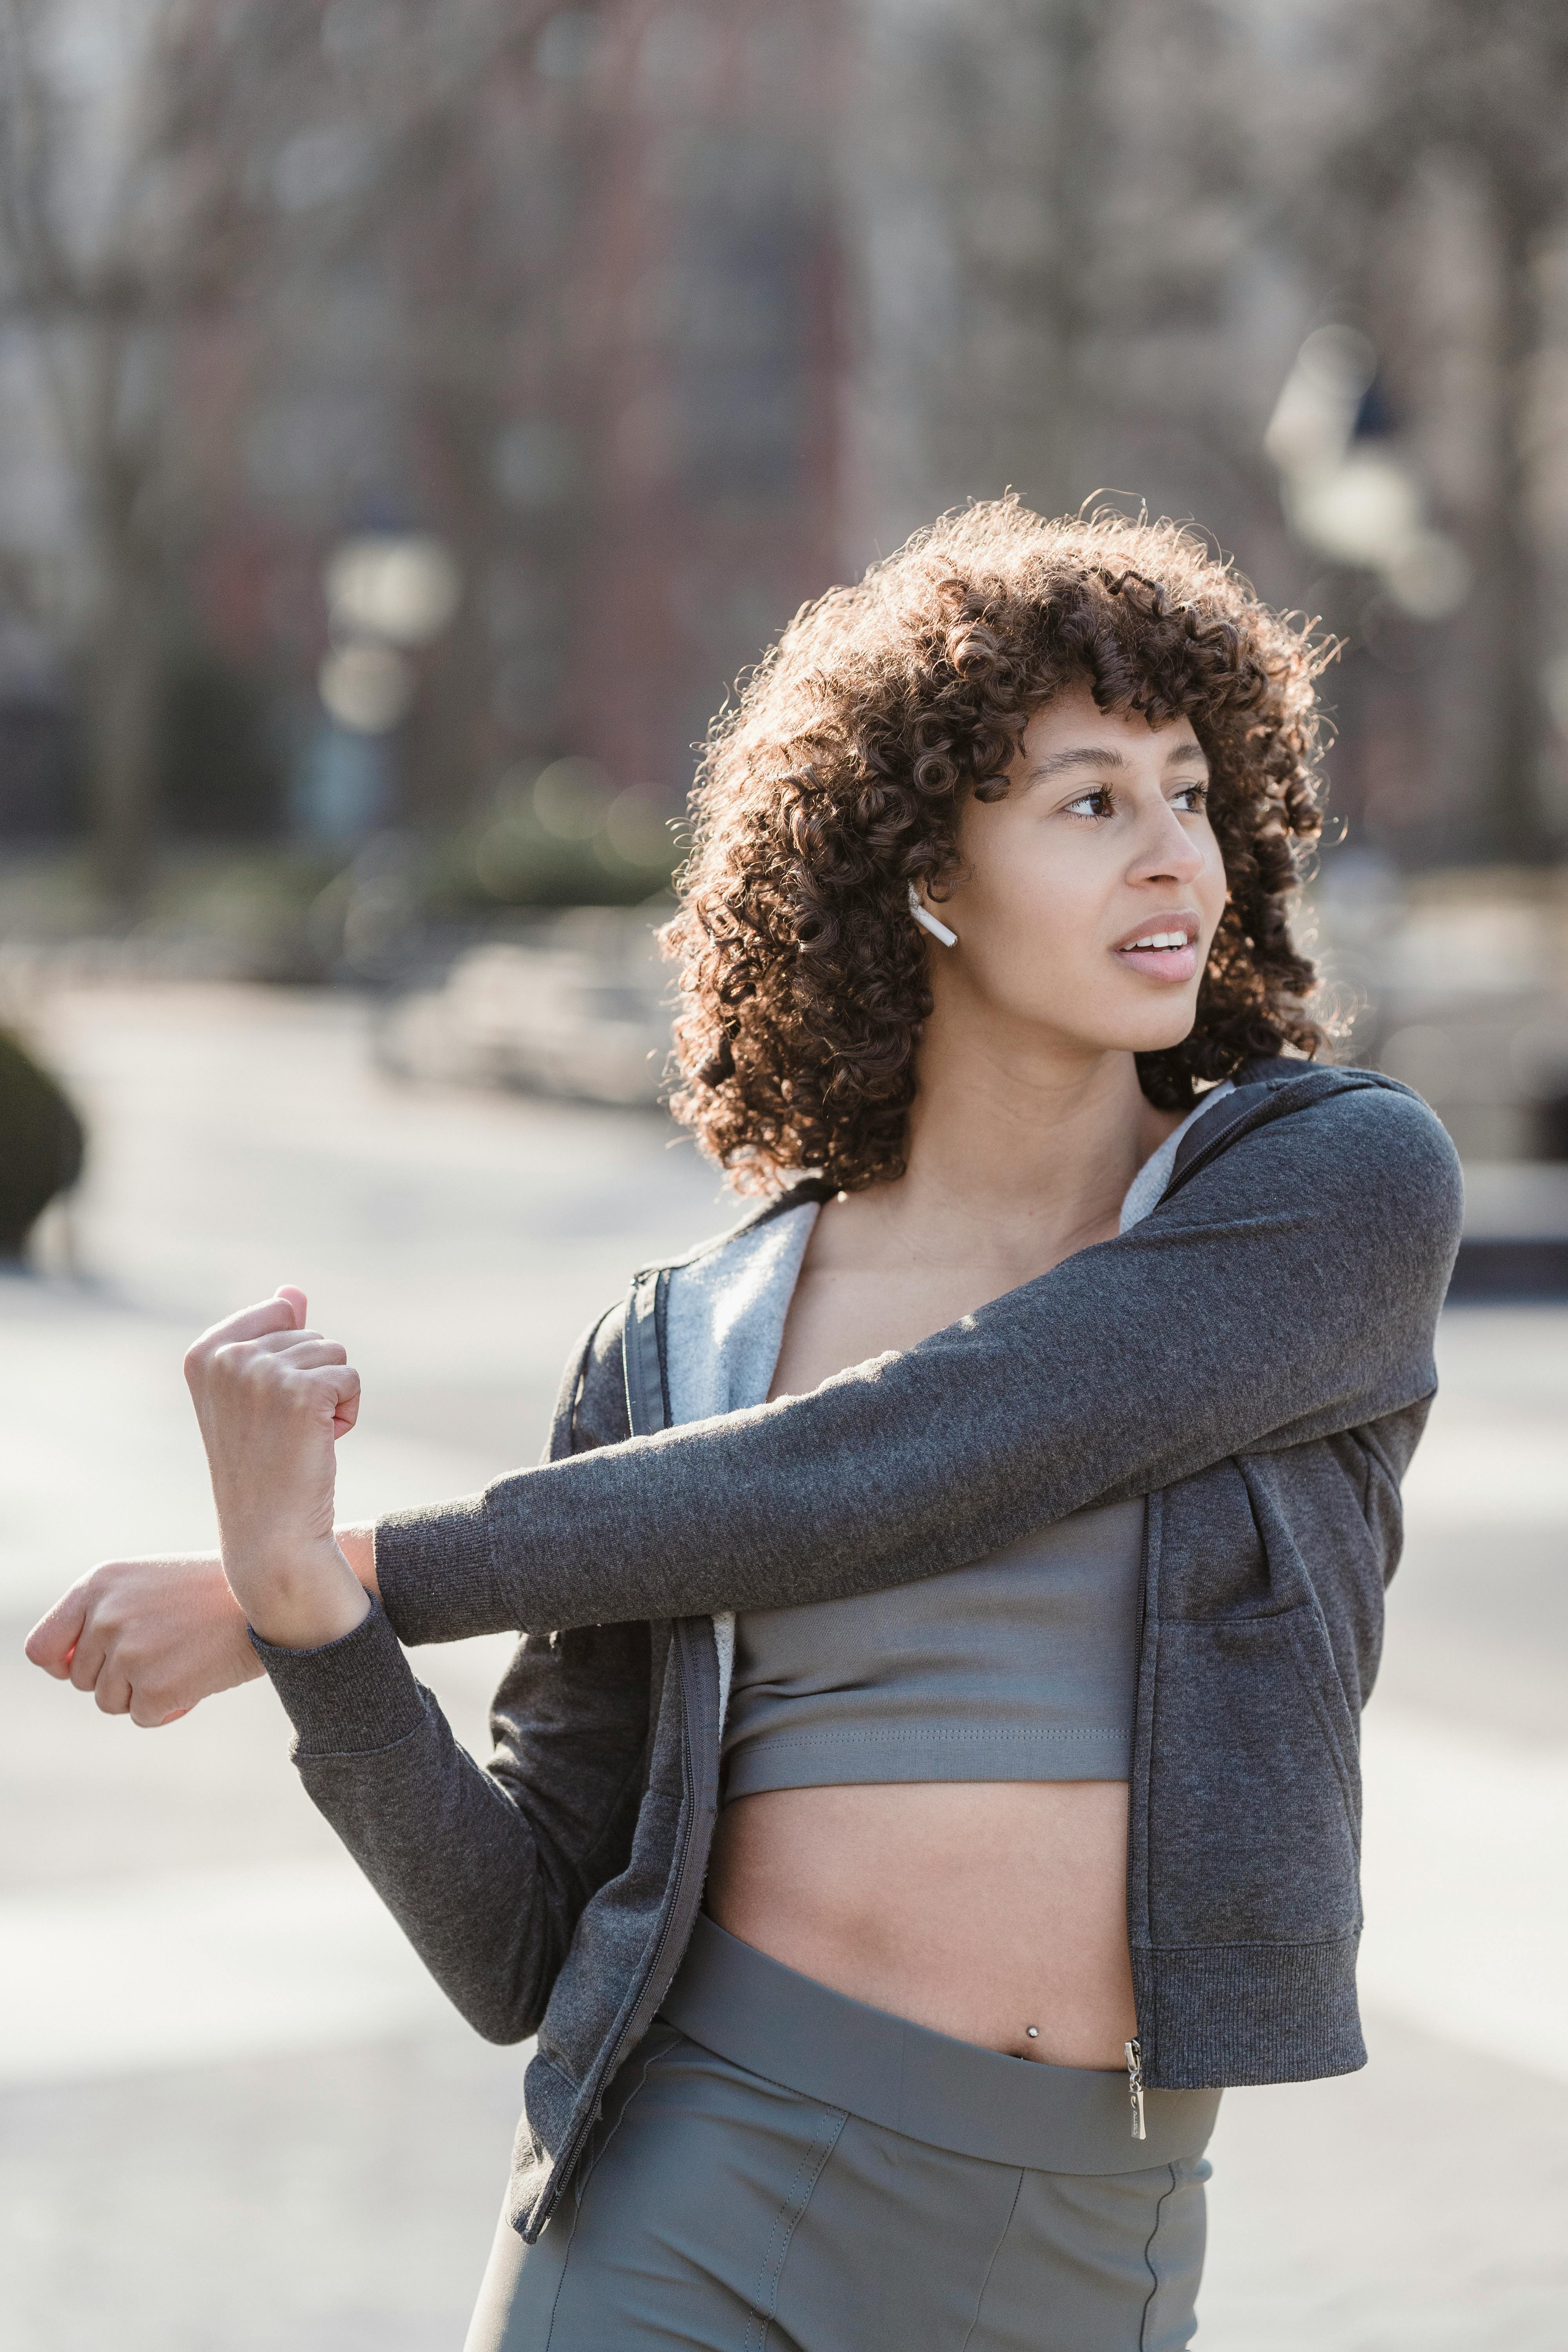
(148, 1638)
(272, 1400)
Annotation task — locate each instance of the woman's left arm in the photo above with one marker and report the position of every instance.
(1291, 1290)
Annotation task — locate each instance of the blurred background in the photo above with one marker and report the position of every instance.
(411, 421)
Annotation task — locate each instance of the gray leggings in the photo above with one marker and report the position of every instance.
(720, 2206)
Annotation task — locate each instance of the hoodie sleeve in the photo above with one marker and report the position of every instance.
(1288, 1291)
(486, 1867)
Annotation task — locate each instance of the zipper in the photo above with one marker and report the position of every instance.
(685, 1901)
(1135, 2086)
(691, 1864)
(645, 1411)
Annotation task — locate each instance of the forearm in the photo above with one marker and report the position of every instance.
(272, 1400)
(1243, 1319)
(485, 1873)
(457, 1870)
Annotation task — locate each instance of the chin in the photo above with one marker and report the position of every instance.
(1146, 1036)
(1174, 1033)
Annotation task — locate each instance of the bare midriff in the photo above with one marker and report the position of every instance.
(978, 1908)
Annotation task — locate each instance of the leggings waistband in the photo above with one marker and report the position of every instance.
(952, 2095)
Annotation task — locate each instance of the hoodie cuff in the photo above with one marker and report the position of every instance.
(350, 1697)
(436, 1572)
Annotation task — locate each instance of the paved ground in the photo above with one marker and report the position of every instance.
(234, 2116)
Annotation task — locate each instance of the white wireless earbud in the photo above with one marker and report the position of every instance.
(928, 922)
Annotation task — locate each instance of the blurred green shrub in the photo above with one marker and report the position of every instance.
(41, 1144)
(220, 776)
(563, 835)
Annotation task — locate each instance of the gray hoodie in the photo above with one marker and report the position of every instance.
(1254, 1356)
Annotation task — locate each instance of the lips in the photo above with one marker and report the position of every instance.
(1165, 948)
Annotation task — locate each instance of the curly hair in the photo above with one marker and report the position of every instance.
(839, 775)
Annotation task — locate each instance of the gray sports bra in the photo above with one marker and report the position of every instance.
(1021, 1666)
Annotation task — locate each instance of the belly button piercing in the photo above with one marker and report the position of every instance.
(1033, 2031)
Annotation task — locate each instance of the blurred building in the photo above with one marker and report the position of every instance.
(599, 350)
(659, 319)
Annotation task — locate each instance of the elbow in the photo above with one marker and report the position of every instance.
(506, 2003)
(502, 2027)
(498, 2013)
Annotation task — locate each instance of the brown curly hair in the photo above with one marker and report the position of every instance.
(838, 777)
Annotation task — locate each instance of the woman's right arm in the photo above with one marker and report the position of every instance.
(484, 1868)
(152, 1636)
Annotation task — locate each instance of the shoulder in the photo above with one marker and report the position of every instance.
(1369, 1121)
(1355, 1139)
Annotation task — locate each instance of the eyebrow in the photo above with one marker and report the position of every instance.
(1093, 755)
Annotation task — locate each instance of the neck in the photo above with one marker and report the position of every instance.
(1022, 1150)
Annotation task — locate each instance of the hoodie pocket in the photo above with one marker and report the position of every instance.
(1254, 1797)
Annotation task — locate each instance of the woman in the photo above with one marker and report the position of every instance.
(929, 1774)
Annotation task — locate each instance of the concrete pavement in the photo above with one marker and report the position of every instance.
(234, 2114)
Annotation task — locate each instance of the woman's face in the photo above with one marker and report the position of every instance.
(1092, 891)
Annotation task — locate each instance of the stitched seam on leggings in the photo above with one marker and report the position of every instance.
(565, 2260)
(1149, 2260)
(591, 2166)
(579, 2187)
(1001, 2241)
(808, 2172)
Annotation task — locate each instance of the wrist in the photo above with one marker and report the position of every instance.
(301, 1598)
(357, 1545)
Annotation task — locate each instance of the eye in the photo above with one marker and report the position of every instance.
(1096, 803)
(1191, 798)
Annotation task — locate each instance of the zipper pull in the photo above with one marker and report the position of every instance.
(1135, 2086)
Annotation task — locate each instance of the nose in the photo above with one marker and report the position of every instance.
(1166, 851)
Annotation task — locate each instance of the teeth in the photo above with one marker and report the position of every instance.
(1162, 939)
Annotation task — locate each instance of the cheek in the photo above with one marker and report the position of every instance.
(1032, 923)
(1026, 899)
(1212, 882)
